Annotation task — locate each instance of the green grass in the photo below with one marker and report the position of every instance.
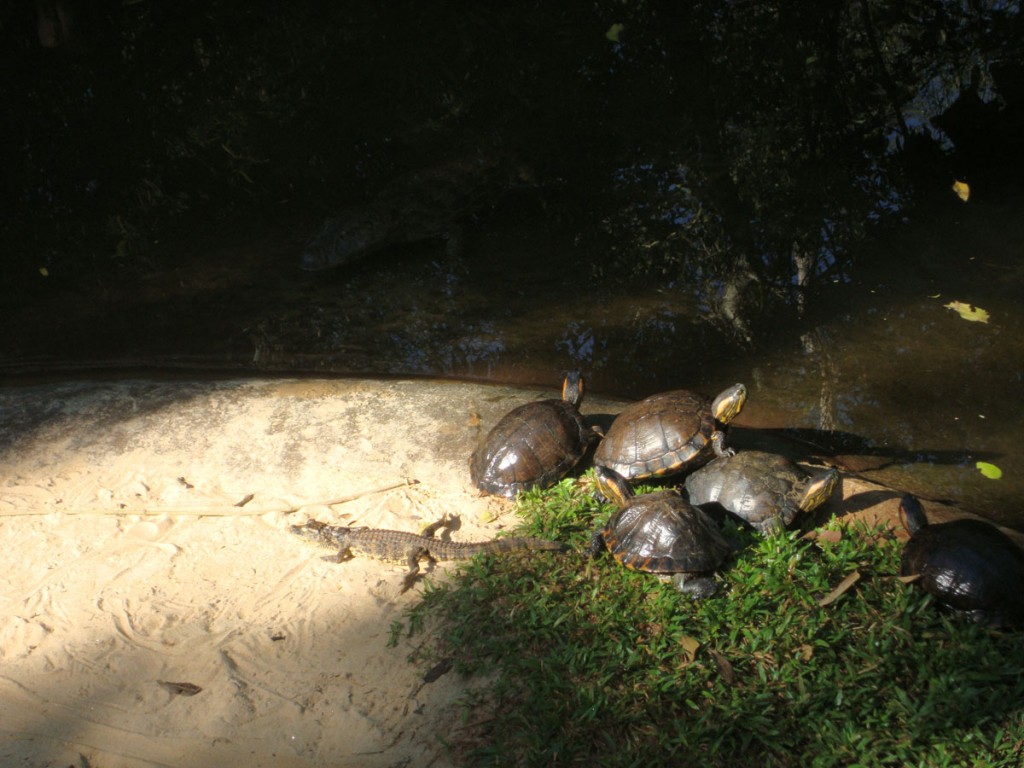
(592, 664)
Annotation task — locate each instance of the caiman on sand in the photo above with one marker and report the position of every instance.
(423, 206)
(409, 548)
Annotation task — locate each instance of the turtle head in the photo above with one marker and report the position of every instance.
(819, 489)
(729, 403)
(912, 514)
(572, 388)
(613, 486)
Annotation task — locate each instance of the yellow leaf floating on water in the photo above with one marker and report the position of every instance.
(962, 189)
(613, 32)
(968, 311)
(991, 471)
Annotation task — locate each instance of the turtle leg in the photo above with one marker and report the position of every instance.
(772, 525)
(697, 587)
(718, 445)
(596, 543)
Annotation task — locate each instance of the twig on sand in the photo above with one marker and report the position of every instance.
(345, 499)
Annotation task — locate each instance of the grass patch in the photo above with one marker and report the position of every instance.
(597, 665)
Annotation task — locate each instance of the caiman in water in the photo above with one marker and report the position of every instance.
(410, 548)
(423, 206)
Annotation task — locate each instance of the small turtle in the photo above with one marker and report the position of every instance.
(660, 533)
(764, 489)
(669, 432)
(534, 445)
(969, 565)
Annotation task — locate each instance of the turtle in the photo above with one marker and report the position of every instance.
(970, 566)
(660, 533)
(534, 445)
(766, 490)
(668, 433)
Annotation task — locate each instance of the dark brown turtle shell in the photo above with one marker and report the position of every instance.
(668, 432)
(658, 532)
(534, 445)
(970, 566)
(766, 490)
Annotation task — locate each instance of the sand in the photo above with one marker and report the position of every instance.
(129, 567)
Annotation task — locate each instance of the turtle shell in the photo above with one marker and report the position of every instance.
(667, 433)
(658, 532)
(969, 565)
(662, 533)
(766, 490)
(532, 446)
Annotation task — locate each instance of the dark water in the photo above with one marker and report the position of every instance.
(692, 195)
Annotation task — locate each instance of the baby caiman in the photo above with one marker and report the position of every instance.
(409, 548)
